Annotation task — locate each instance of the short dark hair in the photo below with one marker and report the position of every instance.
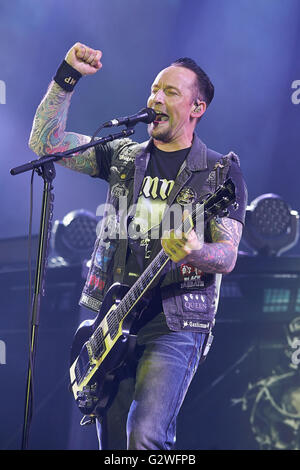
(204, 86)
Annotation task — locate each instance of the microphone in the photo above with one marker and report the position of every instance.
(146, 115)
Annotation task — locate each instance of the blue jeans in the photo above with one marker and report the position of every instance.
(147, 405)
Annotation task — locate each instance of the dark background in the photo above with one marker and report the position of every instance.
(249, 48)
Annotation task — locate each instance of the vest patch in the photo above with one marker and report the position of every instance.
(192, 276)
(119, 190)
(127, 155)
(194, 302)
(195, 324)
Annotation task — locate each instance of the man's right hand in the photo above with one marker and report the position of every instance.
(84, 59)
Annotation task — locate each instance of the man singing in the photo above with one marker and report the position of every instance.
(173, 167)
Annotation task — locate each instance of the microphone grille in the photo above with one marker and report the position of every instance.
(150, 115)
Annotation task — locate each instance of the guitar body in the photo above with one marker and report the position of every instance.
(94, 372)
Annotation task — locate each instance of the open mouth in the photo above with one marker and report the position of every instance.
(161, 117)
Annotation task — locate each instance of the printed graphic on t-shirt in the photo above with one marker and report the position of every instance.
(157, 185)
(151, 205)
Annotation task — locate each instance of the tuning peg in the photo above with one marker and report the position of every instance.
(235, 206)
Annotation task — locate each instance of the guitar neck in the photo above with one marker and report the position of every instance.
(142, 284)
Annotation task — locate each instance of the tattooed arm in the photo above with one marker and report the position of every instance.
(48, 134)
(219, 256)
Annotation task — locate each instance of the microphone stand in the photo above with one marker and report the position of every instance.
(45, 168)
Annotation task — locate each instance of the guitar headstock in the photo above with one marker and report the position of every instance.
(217, 203)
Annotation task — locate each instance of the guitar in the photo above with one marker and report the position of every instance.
(102, 346)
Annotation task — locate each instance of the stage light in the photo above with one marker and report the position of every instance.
(271, 226)
(73, 238)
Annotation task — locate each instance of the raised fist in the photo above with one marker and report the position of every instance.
(84, 59)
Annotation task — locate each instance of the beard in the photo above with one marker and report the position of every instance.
(157, 133)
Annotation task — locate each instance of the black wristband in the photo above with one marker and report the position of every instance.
(66, 76)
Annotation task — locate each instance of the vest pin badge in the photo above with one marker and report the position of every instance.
(186, 196)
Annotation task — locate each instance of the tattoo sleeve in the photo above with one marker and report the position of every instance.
(48, 133)
(220, 255)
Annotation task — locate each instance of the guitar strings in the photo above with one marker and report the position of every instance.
(114, 317)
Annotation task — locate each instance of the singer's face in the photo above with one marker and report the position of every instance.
(173, 94)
